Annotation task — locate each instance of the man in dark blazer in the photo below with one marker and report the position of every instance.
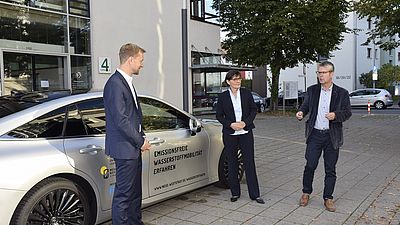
(328, 106)
(125, 137)
(236, 111)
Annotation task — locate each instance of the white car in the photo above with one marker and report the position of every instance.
(55, 171)
(379, 98)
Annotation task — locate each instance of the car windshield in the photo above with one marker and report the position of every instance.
(19, 101)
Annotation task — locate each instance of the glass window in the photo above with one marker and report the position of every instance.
(81, 74)
(28, 72)
(93, 115)
(158, 116)
(75, 125)
(79, 35)
(79, 7)
(49, 72)
(49, 125)
(369, 52)
(202, 10)
(56, 5)
(30, 26)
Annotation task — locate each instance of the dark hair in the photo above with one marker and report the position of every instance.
(326, 64)
(231, 74)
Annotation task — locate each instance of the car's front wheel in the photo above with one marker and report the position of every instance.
(223, 169)
(53, 201)
(379, 105)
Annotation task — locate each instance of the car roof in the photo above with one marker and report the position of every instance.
(25, 115)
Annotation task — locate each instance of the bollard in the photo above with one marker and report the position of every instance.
(369, 108)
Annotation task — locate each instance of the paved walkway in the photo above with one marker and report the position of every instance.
(367, 190)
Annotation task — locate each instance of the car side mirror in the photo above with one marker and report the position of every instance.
(194, 126)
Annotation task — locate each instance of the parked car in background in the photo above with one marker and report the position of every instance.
(260, 102)
(378, 98)
(291, 103)
(55, 170)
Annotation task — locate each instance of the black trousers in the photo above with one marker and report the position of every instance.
(246, 143)
(127, 200)
(318, 142)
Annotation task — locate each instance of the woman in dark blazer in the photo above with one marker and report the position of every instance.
(236, 111)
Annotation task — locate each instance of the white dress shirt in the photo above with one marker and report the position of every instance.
(322, 123)
(237, 108)
(129, 80)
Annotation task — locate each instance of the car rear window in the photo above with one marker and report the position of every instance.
(10, 106)
(17, 101)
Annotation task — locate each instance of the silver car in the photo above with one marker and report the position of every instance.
(55, 170)
(379, 98)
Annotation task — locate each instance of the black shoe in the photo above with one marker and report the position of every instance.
(259, 200)
(234, 198)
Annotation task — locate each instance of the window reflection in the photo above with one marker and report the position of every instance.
(81, 73)
(75, 126)
(31, 26)
(79, 35)
(56, 5)
(79, 7)
(47, 126)
(158, 116)
(94, 116)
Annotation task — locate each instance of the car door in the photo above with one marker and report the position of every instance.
(84, 145)
(357, 98)
(177, 157)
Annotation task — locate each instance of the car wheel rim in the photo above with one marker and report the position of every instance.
(241, 166)
(379, 105)
(58, 207)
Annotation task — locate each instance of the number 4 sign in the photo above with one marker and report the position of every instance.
(104, 65)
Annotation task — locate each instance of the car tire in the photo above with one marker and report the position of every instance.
(223, 169)
(379, 105)
(54, 201)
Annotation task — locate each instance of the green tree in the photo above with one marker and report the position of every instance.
(387, 75)
(388, 24)
(281, 33)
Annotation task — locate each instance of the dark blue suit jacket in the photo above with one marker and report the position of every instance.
(340, 105)
(123, 139)
(226, 115)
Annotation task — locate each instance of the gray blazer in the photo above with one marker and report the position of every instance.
(340, 105)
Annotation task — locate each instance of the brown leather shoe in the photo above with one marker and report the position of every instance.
(304, 199)
(329, 205)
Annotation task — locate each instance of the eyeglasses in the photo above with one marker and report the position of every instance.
(323, 72)
(237, 79)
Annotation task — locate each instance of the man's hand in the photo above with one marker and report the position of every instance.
(146, 145)
(238, 125)
(299, 115)
(330, 116)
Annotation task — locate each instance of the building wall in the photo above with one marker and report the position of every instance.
(155, 26)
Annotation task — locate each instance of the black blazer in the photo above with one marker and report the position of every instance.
(226, 115)
(340, 105)
(123, 119)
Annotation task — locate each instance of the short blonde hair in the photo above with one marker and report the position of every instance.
(128, 50)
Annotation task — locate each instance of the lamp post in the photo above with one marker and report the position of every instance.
(185, 76)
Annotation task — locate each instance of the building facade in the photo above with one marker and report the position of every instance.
(74, 44)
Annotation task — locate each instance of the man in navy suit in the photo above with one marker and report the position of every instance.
(329, 106)
(236, 111)
(125, 137)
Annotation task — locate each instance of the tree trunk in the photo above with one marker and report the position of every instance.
(274, 87)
